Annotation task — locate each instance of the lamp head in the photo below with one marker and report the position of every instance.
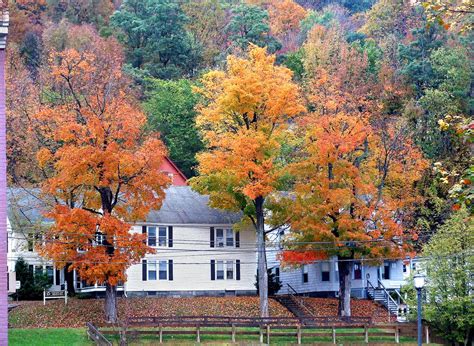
(419, 281)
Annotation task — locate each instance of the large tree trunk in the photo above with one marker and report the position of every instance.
(110, 303)
(69, 279)
(262, 259)
(345, 271)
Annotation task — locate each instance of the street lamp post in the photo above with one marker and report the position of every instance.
(419, 281)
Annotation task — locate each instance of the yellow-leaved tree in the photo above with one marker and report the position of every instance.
(244, 122)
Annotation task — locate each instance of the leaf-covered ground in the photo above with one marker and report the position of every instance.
(55, 314)
(359, 308)
(79, 311)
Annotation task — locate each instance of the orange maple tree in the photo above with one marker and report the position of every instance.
(244, 123)
(355, 177)
(102, 172)
(285, 17)
(354, 195)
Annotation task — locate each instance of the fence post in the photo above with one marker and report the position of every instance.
(366, 334)
(161, 333)
(397, 335)
(198, 334)
(333, 334)
(233, 332)
(298, 334)
(261, 334)
(427, 331)
(268, 334)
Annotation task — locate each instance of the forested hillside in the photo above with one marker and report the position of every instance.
(408, 66)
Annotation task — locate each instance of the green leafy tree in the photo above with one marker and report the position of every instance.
(249, 24)
(32, 283)
(155, 38)
(449, 303)
(170, 109)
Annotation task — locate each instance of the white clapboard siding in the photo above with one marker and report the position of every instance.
(294, 276)
(192, 268)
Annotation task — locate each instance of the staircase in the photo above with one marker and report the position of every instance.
(383, 296)
(295, 304)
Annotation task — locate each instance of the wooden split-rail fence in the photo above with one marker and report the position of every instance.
(264, 328)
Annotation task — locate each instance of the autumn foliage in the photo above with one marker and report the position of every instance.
(244, 123)
(102, 172)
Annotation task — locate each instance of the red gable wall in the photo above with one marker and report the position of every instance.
(178, 179)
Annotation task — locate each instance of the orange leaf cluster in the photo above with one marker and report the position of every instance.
(102, 171)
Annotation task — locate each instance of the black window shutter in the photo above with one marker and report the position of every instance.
(170, 236)
(58, 277)
(170, 270)
(144, 232)
(212, 237)
(237, 269)
(237, 239)
(213, 270)
(144, 270)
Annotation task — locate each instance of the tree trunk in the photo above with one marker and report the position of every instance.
(69, 279)
(345, 271)
(110, 303)
(262, 258)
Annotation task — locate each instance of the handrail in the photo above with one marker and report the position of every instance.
(398, 293)
(291, 288)
(297, 300)
(386, 293)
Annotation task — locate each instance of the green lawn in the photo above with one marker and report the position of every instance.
(72, 336)
(48, 337)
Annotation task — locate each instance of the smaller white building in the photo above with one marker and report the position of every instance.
(321, 278)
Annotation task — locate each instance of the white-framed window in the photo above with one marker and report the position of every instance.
(229, 237)
(163, 270)
(229, 270)
(404, 268)
(151, 271)
(151, 231)
(305, 271)
(157, 270)
(162, 236)
(219, 237)
(224, 237)
(225, 269)
(219, 270)
(50, 274)
(325, 272)
(159, 236)
(34, 239)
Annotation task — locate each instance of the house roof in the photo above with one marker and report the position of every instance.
(182, 205)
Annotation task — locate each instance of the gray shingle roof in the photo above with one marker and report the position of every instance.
(182, 205)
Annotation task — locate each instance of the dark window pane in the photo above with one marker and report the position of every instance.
(163, 270)
(220, 237)
(151, 236)
(229, 237)
(324, 276)
(162, 236)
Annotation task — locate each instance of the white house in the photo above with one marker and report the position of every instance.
(197, 250)
(322, 278)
